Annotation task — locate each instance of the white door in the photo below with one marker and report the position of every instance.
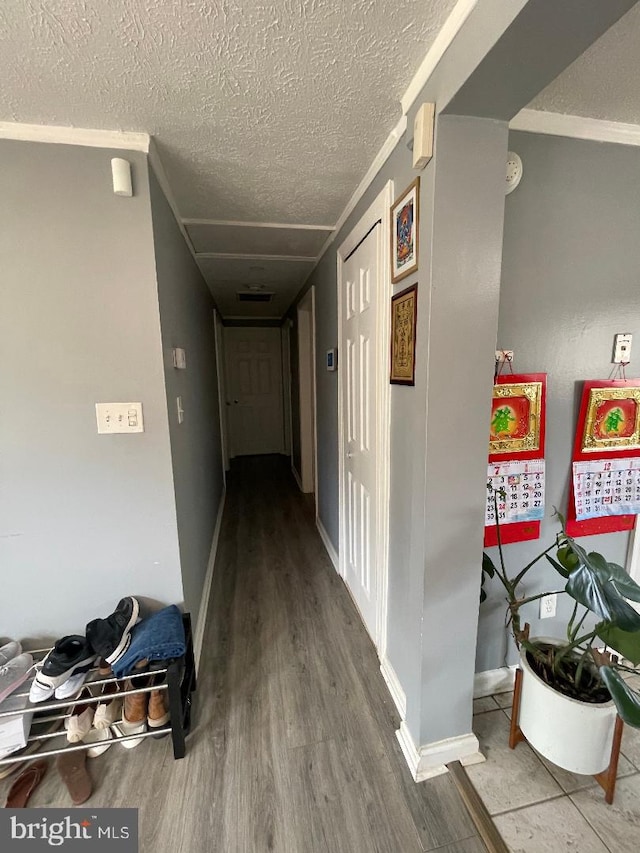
(360, 280)
(254, 390)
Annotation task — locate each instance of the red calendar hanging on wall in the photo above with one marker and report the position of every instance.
(515, 472)
(604, 495)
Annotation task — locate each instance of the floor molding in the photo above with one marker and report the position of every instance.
(395, 688)
(328, 544)
(296, 476)
(206, 590)
(479, 813)
(575, 127)
(431, 759)
(494, 681)
(123, 140)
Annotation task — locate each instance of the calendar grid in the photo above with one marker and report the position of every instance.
(520, 487)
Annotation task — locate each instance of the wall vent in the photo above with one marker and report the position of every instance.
(254, 296)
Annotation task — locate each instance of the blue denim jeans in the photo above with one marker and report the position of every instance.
(159, 637)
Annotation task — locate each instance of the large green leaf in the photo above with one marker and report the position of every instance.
(626, 643)
(487, 565)
(627, 701)
(603, 587)
(591, 587)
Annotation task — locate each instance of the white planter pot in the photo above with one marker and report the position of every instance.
(574, 735)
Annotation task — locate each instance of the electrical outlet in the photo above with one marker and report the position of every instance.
(548, 606)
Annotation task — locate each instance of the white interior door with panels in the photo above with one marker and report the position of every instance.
(364, 290)
(254, 404)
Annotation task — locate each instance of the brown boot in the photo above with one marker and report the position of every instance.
(135, 707)
(158, 714)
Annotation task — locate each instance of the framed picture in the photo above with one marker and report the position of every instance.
(405, 214)
(612, 419)
(517, 416)
(404, 309)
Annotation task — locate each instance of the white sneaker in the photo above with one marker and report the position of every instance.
(78, 725)
(72, 686)
(102, 739)
(9, 651)
(14, 673)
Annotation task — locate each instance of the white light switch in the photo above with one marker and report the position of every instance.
(119, 417)
(622, 349)
(179, 358)
(179, 409)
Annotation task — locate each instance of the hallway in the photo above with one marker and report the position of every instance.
(293, 748)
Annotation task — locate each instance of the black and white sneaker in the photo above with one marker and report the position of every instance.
(69, 656)
(110, 637)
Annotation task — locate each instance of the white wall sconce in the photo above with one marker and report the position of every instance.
(121, 173)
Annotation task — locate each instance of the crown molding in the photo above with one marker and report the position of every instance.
(56, 134)
(290, 225)
(575, 127)
(441, 43)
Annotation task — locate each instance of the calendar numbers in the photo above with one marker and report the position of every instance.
(519, 487)
(606, 488)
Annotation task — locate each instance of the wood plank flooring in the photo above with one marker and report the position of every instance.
(293, 748)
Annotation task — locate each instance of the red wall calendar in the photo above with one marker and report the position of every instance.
(604, 494)
(516, 458)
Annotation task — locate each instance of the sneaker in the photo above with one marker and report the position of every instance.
(110, 637)
(78, 724)
(102, 740)
(9, 651)
(73, 685)
(69, 656)
(14, 673)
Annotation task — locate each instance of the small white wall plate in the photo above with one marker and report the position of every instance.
(514, 172)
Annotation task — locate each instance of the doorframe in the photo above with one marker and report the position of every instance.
(222, 392)
(633, 557)
(378, 211)
(307, 363)
(285, 341)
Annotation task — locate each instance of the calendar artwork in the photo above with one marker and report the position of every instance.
(604, 495)
(606, 487)
(520, 492)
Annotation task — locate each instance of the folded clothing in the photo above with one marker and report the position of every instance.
(160, 637)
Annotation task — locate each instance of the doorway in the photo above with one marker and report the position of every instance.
(364, 290)
(254, 404)
(307, 392)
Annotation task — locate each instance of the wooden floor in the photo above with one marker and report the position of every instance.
(293, 748)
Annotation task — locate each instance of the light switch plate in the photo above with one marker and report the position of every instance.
(179, 358)
(119, 417)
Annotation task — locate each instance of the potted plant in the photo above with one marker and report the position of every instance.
(571, 690)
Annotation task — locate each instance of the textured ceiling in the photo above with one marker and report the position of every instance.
(262, 111)
(603, 82)
(268, 111)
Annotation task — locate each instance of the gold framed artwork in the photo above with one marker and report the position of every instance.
(404, 311)
(405, 216)
(517, 415)
(612, 420)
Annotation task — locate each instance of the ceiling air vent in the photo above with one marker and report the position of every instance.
(254, 296)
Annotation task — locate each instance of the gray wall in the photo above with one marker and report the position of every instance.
(569, 283)
(186, 319)
(295, 394)
(84, 518)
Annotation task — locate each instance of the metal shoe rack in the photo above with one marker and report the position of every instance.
(179, 682)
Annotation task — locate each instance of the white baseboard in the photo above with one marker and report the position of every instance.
(494, 681)
(198, 636)
(432, 758)
(395, 688)
(296, 476)
(326, 541)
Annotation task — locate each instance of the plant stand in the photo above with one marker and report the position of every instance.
(606, 779)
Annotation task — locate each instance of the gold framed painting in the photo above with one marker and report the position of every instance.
(405, 220)
(611, 419)
(404, 312)
(517, 423)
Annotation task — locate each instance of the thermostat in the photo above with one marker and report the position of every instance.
(332, 359)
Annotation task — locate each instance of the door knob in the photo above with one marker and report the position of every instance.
(349, 455)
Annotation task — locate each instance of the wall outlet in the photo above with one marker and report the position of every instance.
(622, 349)
(548, 606)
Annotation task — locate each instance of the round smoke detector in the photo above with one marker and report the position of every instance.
(514, 172)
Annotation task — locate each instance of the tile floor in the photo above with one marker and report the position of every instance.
(540, 808)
